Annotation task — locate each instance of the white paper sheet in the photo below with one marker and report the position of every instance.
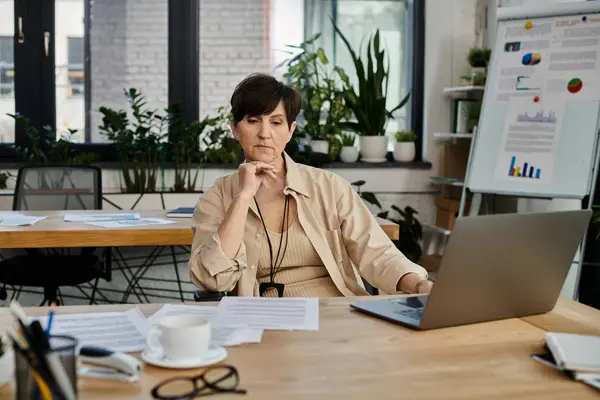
(118, 331)
(268, 313)
(19, 220)
(101, 217)
(221, 336)
(131, 223)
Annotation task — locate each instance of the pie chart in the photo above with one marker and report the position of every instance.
(531, 59)
(574, 85)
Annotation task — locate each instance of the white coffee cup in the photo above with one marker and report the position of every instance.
(180, 337)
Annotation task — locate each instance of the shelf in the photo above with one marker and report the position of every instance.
(447, 181)
(463, 89)
(449, 136)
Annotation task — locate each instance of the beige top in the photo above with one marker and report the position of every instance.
(335, 219)
(301, 271)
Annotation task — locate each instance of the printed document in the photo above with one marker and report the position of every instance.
(130, 223)
(117, 331)
(221, 336)
(101, 217)
(269, 313)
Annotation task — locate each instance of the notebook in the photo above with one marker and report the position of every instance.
(575, 352)
(181, 212)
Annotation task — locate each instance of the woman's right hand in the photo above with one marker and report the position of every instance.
(251, 175)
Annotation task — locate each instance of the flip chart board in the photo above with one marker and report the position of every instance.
(538, 128)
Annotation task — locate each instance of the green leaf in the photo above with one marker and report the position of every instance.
(358, 183)
(322, 56)
(371, 198)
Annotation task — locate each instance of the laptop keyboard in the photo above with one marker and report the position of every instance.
(415, 313)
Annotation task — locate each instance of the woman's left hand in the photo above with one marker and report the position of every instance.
(424, 287)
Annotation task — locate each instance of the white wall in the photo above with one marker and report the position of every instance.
(449, 34)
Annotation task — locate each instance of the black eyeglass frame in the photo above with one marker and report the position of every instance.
(201, 390)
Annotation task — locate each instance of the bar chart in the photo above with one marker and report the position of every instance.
(525, 171)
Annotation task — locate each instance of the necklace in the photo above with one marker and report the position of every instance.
(274, 267)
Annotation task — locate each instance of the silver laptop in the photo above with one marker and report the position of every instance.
(494, 267)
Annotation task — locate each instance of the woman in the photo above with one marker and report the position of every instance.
(277, 228)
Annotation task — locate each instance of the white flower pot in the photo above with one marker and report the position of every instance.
(373, 148)
(404, 151)
(7, 366)
(320, 146)
(349, 154)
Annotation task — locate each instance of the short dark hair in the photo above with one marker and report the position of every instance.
(259, 94)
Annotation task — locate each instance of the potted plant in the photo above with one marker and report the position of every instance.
(184, 147)
(44, 148)
(404, 148)
(479, 59)
(323, 106)
(369, 104)
(471, 113)
(349, 152)
(139, 141)
(411, 233)
(217, 143)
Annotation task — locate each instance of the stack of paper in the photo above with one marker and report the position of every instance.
(237, 320)
(577, 355)
(221, 336)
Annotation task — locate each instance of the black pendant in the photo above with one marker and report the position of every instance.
(264, 286)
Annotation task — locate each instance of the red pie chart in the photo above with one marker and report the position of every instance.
(574, 85)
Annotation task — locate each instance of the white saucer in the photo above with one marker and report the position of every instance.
(374, 160)
(214, 355)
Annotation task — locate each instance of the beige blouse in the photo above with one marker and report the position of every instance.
(337, 222)
(301, 271)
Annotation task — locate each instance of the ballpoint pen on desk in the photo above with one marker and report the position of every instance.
(50, 318)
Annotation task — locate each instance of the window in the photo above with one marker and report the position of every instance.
(357, 19)
(7, 67)
(75, 66)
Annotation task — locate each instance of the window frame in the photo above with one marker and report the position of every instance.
(36, 72)
(183, 44)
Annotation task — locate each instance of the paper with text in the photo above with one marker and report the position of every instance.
(131, 223)
(530, 139)
(221, 336)
(101, 217)
(269, 313)
(117, 331)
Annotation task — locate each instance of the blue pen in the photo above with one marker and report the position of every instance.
(50, 318)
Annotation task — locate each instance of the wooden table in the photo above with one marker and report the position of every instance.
(354, 356)
(55, 232)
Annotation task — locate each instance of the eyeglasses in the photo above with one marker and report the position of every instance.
(220, 379)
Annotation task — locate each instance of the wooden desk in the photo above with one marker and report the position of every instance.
(354, 356)
(55, 232)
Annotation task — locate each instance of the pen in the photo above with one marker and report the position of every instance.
(50, 318)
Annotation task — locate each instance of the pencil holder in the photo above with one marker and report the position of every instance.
(32, 380)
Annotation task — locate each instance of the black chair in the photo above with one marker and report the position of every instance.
(55, 187)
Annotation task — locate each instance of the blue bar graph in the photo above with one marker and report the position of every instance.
(527, 171)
